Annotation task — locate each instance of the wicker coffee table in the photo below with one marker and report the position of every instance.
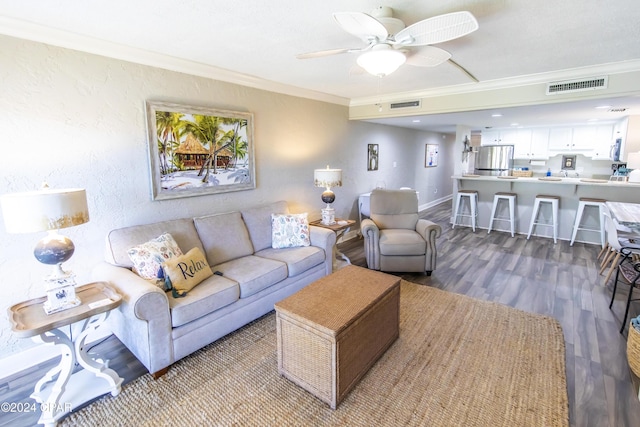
(331, 332)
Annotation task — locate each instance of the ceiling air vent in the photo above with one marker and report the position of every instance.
(577, 85)
(406, 104)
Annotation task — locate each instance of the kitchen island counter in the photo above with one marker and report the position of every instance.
(570, 190)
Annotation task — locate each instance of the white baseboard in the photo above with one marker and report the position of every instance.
(435, 202)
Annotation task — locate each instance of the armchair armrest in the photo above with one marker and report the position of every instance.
(324, 239)
(429, 231)
(143, 321)
(371, 234)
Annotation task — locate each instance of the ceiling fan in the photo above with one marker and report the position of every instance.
(389, 44)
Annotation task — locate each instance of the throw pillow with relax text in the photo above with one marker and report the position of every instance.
(289, 230)
(186, 271)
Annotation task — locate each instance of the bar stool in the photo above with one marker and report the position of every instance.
(554, 202)
(472, 196)
(583, 203)
(509, 197)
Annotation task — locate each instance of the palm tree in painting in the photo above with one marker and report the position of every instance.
(170, 127)
(210, 131)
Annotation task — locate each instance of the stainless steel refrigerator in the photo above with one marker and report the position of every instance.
(495, 160)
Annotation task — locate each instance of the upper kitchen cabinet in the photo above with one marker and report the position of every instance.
(602, 140)
(590, 140)
(506, 137)
(560, 139)
(491, 137)
(531, 144)
(539, 147)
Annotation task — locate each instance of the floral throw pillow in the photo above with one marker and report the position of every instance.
(147, 258)
(289, 230)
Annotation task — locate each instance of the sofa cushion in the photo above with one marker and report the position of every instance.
(148, 257)
(186, 272)
(120, 240)
(224, 237)
(211, 294)
(253, 273)
(289, 231)
(258, 222)
(401, 242)
(298, 260)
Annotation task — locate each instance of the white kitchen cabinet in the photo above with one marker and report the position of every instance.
(490, 137)
(515, 137)
(539, 144)
(560, 139)
(531, 144)
(602, 142)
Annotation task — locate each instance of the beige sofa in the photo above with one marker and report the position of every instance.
(160, 329)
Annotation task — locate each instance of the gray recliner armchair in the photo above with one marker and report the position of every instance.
(395, 238)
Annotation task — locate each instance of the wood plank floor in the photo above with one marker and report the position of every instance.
(532, 275)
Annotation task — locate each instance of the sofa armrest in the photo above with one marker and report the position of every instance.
(324, 239)
(143, 321)
(429, 231)
(371, 234)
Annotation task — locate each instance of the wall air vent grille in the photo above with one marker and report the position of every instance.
(406, 104)
(577, 85)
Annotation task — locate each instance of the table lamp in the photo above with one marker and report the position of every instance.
(328, 178)
(49, 210)
(633, 162)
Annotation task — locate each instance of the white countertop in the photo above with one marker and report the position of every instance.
(550, 180)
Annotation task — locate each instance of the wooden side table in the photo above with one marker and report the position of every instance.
(70, 390)
(340, 227)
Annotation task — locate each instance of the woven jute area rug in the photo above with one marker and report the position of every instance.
(458, 362)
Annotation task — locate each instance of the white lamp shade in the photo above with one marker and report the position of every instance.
(381, 60)
(327, 178)
(43, 210)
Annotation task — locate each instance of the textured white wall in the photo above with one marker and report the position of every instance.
(78, 120)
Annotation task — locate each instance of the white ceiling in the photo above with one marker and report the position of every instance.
(260, 40)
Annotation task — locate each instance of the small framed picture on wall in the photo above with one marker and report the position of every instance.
(569, 162)
(372, 157)
(431, 155)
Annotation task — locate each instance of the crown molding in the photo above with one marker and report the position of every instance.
(573, 73)
(39, 33)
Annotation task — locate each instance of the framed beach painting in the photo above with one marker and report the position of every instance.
(194, 151)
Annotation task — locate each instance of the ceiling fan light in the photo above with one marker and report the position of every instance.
(381, 62)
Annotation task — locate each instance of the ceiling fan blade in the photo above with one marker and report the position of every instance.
(427, 56)
(361, 25)
(438, 29)
(322, 53)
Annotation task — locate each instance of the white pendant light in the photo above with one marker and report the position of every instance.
(381, 60)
